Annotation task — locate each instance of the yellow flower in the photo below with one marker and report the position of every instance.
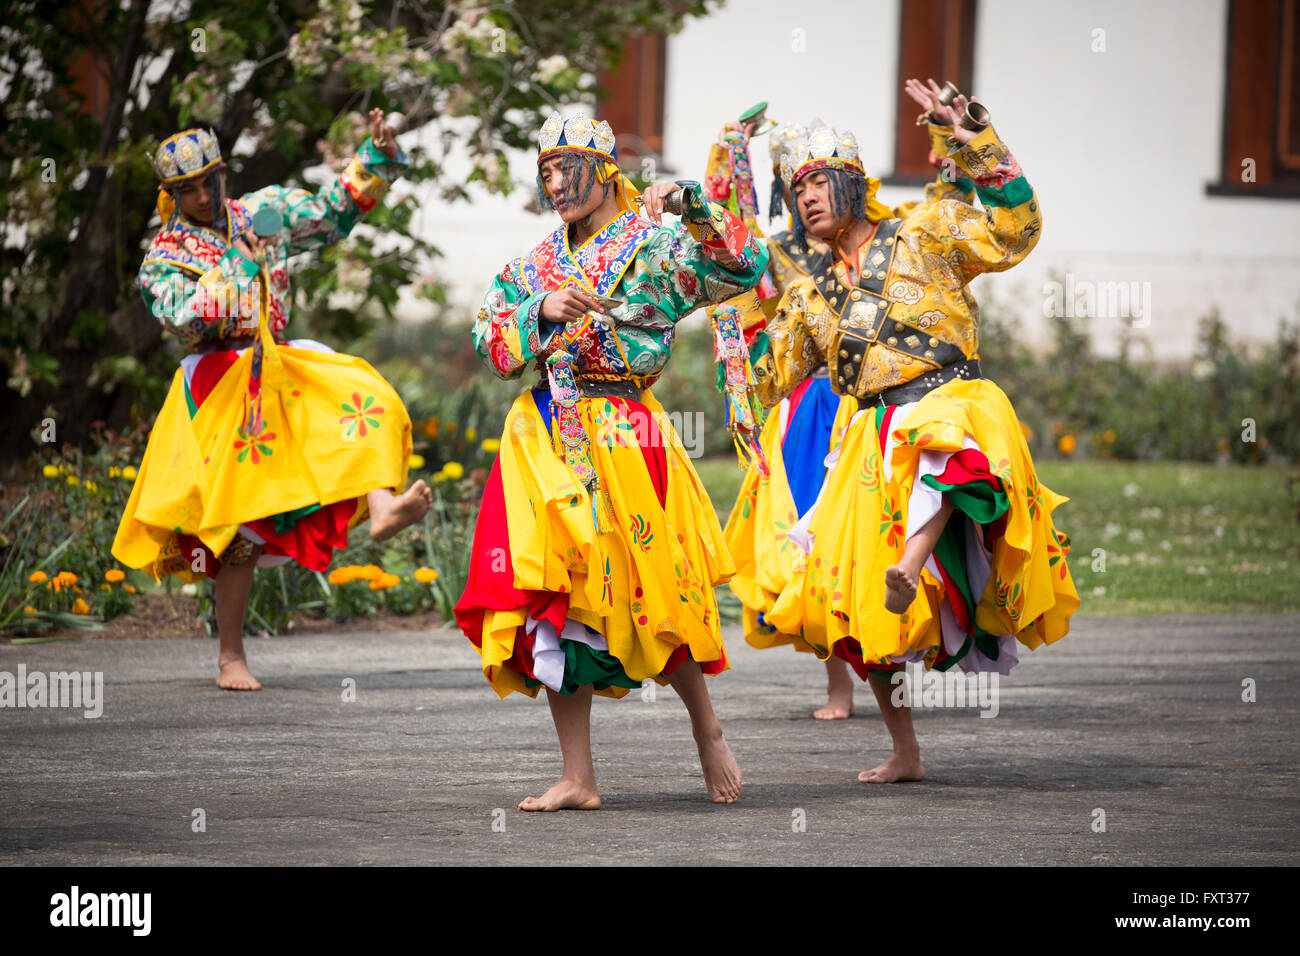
(91, 486)
(1108, 435)
(417, 461)
(36, 577)
(384, 581)
(79, 606)
(30, 610)
(106, 587)
(73, 480)
(114, 471)
(471, 434)
(128, 588)
(426, 575)
(453, 470)
(50, 471)
(128, 472)
(1066, 444)
(491, 445)
(113, 575)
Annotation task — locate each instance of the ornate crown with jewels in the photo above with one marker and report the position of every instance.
(821, 148)
(186, 154)
(784, 140)
(580, 134)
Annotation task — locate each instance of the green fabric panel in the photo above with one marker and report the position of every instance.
(986, 642)
(964, 184)
(189, 401)
(584, 665)
(950, 551)
(977, 499)
(1014, 193)
(285, 521)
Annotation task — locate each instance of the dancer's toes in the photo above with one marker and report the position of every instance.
(896, 769)
(722, 774)
(900, 590)
(834, 711)
(565, 795)
(390, 516)
(236, 676)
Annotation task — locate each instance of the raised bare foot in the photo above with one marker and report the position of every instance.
(722, 774)
(391, 515)
(900, 590)
(565, 795)
(895, 770)
(236, 676)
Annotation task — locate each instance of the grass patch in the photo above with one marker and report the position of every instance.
(1156, 537)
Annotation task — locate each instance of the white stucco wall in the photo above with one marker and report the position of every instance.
(1119, 145)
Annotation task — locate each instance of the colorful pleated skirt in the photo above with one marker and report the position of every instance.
(331, 432)
(798, 435)
(555, 599)
(997, 578)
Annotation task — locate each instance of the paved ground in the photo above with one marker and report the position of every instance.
(1142, 718)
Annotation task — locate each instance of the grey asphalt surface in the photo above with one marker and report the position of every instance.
(1141, 718)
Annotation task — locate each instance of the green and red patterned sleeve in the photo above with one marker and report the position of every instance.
(506, 329)
(319, 219)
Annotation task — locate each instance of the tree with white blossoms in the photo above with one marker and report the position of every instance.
(285, 86)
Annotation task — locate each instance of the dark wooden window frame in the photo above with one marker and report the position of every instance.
(936, 38)
(1262, 44)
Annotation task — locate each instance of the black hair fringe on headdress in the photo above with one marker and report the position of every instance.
(774, 206)
(848, 191)
(571, 165)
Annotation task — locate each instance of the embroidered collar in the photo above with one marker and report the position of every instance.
(598, 265)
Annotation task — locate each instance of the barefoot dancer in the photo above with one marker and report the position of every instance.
(597, 549)
(264, 452)
(885, 577)
(804, 427)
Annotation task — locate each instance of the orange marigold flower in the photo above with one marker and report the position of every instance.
(342, 575)
(369, 572)
(79, 606)
(426, 575)
(431, 428)
(128, 588)
(384, 581)
(1066, 444)
(1108, 435)
(113, 575)
(37, 577)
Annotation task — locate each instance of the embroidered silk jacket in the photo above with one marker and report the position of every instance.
(661, 274)
(201, 287)
(904, 308)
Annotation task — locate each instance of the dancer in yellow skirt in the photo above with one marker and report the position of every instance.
(932, 539)
(808, 423)
(264, 451)
(597, 549)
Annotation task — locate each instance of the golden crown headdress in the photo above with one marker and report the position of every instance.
(186, 154)
(579, 134)
(821, 148)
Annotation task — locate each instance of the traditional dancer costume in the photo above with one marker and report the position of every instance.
(258, 441)
(899, 331)
(803, 429)
(597, 549)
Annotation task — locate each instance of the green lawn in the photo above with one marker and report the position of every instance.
(1157, 538)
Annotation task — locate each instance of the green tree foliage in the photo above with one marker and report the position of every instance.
(284, 84)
